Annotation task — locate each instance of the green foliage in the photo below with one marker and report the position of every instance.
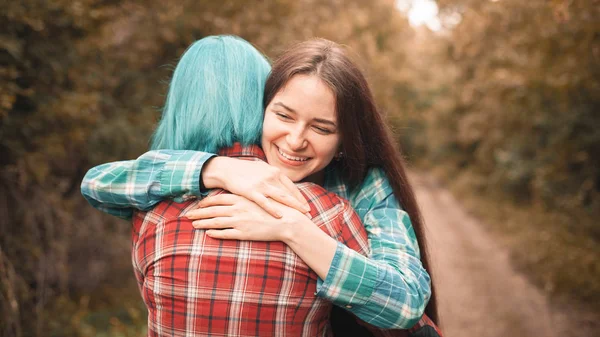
(525, 99)
(512, 92)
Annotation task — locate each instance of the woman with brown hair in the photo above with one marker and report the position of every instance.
(320, 121)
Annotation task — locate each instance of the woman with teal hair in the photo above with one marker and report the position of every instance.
(391, 288)
(214, 98)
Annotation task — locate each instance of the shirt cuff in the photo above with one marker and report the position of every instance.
(203, 191)
(350, 280)
(181, 174)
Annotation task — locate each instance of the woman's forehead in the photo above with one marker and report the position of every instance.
(306, 93)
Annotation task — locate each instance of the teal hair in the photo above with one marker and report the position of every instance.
(215, 97)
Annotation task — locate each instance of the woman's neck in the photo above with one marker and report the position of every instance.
(316, 178)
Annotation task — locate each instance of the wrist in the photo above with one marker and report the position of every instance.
(312, 245)
(287, 234)
(212, 171)
(293, 230)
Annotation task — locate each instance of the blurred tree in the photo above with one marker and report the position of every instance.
(525, 99)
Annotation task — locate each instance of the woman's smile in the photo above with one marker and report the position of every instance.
(294, 160)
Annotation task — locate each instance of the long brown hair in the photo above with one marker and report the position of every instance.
(366, 139)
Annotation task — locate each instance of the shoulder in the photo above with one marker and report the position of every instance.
(322, 203)
(374, 188)
(375, 175)
(318, 194)
(164, 211)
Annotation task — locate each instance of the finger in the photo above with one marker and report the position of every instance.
(284, 197)
(225, 234)
(266, 204)
(296, 194)
(213, 223)
(223, 199)
(209, 212)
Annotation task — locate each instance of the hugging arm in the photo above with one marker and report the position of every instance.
(390, 288)
(385, 285)
(118, 188)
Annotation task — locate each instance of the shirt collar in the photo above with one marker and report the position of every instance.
(240, 151)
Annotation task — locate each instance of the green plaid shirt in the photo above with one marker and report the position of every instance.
(389, 289)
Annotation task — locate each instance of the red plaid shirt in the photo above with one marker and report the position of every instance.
(194, 285)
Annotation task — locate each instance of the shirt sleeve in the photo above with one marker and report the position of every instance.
(389, 288)
(118, 188)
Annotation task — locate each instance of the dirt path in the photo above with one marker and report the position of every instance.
(479, 292)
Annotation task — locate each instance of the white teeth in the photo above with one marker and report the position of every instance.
(291, 157)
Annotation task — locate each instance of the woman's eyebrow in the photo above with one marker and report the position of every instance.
(320, 120)
(285, 107)
(325, 121)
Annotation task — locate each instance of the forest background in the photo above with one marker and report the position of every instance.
(500, 101)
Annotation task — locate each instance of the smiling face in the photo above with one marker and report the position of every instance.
(300, 130)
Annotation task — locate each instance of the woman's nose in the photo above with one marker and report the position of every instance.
(296, 140)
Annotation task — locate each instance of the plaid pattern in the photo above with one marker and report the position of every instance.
(119, 188)
(389, 289)
(194, 285)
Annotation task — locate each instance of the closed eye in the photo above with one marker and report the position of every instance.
(322, 130)
(282, 115)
